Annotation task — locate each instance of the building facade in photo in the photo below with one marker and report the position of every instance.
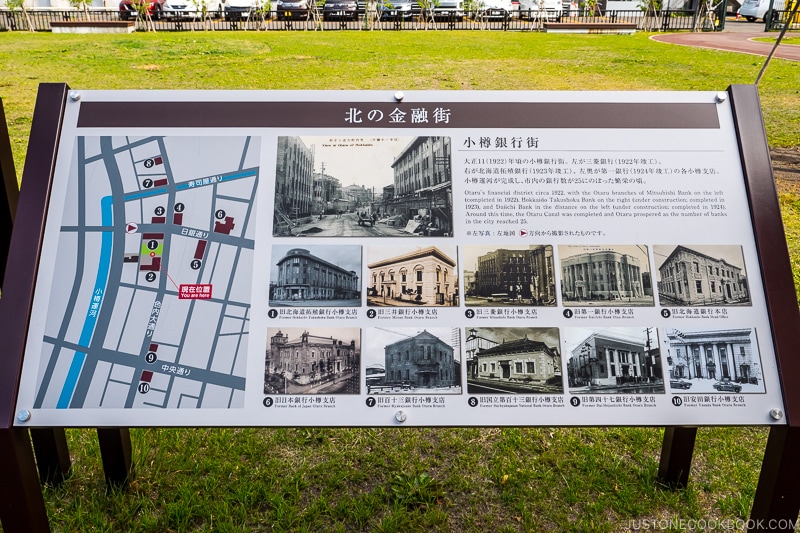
(475, 343)
(523, 360)
(303, 276)
(327, 193)
(688, 277)
(525, 274)
(311, 358)
(423, 184)
(602, 360)
(604, 275)
(714, 355)
(422, 361)
(426, 276)
(294, 180)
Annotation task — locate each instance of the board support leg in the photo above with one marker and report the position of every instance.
(116, 452)
(777, 501)
(21, 502)
(52, 454)
(676, 456)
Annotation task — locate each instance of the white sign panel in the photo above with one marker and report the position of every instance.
(356, 259)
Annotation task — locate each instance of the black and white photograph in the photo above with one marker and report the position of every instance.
(313, 361)
(610, 276)
(725, 360)
(412, 360)
(510, 275)
(696, 275)
(513, 361)
(613, 360)
(412, 276)
(315, 276)
(363, 187)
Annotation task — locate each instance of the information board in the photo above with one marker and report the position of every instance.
(372, 258)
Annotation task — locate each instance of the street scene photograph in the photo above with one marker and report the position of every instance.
(412, 276)
(363, 187)
(412, 360)
(513, 361)
(724, 360)
(696, 275)
(312, 361)
(613, 360)
(611, 276)
(315, 276)
(511, 275)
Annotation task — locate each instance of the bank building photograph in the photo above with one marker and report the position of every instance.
(312, 361)
(510, 275)
(693, 275)
(613, 360)
(413, 360)
(412, 276)
(614, 276)
(315, 276)
(513, 361)
(712, 361)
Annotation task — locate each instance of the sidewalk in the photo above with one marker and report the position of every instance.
(737, 37)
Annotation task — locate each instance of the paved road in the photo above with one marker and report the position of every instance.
(737, 37)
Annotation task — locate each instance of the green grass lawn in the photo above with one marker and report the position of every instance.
(399, 480)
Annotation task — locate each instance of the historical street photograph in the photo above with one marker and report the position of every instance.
(722, 360)
(616, 275)
(363, 187)
(613, 360)
(511, 275)
(692, 275)
(315, 276)
(412, 276)
(412, 360)
(313, 361)
(513, 361)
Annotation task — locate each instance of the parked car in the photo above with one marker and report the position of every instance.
(191, 8)
(340, 10)
(293, 9)
(756, 9)
(397, 10)
(127, 9)
(725, 384)
(679, 384)
(551, 10)
(493, 9)
(445, 10)
(243, 9)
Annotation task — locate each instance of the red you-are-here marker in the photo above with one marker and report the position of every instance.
(194, 291)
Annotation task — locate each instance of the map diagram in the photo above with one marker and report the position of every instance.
(150, 300)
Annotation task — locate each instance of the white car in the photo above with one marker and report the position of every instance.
(541, 9)
(493, 9)
(244, 9)
(757, 9)
(191, 8)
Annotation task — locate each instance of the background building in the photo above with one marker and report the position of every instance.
(310, 358)
(688, 277)
(474, 344)
(422, 361)
(294, 181)
(603, 360)
(523, 360)
(522, 274)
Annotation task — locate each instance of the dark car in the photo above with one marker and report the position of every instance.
(340, 10)
(725, 384)
(679, 384)
(293, 9)
(127, 8)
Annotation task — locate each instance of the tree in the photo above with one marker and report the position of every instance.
(142, 8)
(80, 5)
(20, 4)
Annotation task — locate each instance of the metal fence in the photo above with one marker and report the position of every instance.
(779, 18)
(665, 20)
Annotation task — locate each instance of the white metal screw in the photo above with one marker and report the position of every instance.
(24, 415)
(400, 416)
(776, 414)
(399, 96)
(74, 96)
(721, 97)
